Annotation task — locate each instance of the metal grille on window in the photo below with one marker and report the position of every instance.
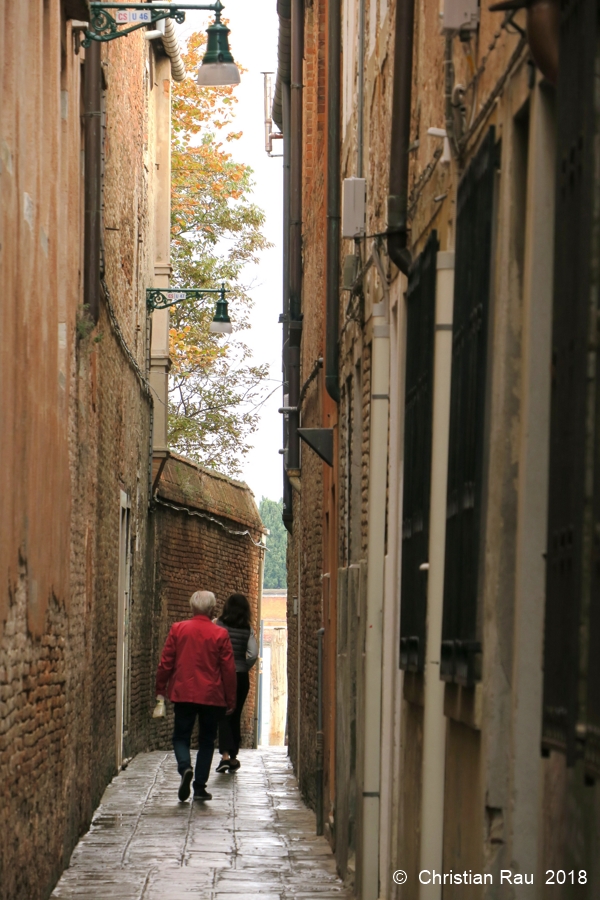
(461, 646)
(571, 708)
(420, 303)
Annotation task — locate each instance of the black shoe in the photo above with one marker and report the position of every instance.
(184, 787)
(233, 764)
(202, 794)
(223, 766)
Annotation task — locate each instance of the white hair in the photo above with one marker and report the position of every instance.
(203, 602)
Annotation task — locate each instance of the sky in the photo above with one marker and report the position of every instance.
(253, 42)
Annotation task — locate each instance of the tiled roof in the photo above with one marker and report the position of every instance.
(186, 483)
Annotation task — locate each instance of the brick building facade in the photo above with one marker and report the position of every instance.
(443, 539)
(84, 225)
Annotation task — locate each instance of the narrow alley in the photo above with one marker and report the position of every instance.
(256, 838)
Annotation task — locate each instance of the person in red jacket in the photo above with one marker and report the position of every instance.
(197, 673)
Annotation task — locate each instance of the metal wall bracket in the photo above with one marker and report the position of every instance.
(163, 299)
(320, 440)
(105, 27)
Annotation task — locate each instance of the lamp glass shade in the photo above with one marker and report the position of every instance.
(218, 67)
(218, 74)
(221, 324)
(220, 327)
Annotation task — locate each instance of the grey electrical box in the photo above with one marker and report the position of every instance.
(460, 15)
(353, 207)
(349, 271)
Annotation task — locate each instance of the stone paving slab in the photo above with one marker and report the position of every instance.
(255, 840)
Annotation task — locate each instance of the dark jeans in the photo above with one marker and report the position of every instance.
(230, 726)
(185, 717)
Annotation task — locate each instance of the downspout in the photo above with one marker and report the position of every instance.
(295, 251)
(376, 532)
(166, 33)
(397, 234)
(281, 116)
(288, 513)
(319, 767)
(334, 47)
(360, 91)
(434, 722)
(92, 117)
(261, 576)
(260, 682)
(171, 45)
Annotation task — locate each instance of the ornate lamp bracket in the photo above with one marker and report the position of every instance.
(105, 26)
(163, 299)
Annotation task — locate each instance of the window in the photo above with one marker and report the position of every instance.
(571, 710)
(461, 644)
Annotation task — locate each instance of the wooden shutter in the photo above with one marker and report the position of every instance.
(420, 321)
(461, 647)
(572, 629)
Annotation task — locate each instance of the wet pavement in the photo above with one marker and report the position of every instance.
(254, 840)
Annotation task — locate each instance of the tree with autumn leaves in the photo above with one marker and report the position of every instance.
(214, 389)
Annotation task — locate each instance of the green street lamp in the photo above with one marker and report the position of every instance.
(221, 323)
(164, 299)
(217, 69)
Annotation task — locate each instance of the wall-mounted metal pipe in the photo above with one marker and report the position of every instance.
(320, 748)
(397, 237)
(284, 93)
(360, 90)
(295, 246)
(92, 128)
(171, 45)
(332, 264)
(434, 722)
(367, 872)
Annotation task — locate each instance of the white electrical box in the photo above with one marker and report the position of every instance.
(460, 15)
(353, 207)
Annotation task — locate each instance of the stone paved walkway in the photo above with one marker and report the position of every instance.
(255, 840)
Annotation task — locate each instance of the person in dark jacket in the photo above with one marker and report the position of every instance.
(197, 669)
(235, 619)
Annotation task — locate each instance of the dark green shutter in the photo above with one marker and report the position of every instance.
(420, 322)
(571, 710)
(461, 647)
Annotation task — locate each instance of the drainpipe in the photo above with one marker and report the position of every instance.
(400, 137)
(92, 118)
(332, 297)
(360, 90)
(434, 722)
(288, 513)
(378, 466)
(281, 114)
(261, 576)
(319, 766)
(295, 249)
(260, 683)
(171, 45)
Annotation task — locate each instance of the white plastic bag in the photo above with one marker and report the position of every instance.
(160, 710)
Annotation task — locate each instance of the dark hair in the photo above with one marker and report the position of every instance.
(236, 612)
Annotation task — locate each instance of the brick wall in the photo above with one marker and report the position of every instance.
(202, 552)
(305, 547)
(76, 432)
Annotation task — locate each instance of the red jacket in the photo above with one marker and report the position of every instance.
(197, 664)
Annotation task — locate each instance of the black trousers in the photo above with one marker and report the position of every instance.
(185, 718)
(230, 726)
